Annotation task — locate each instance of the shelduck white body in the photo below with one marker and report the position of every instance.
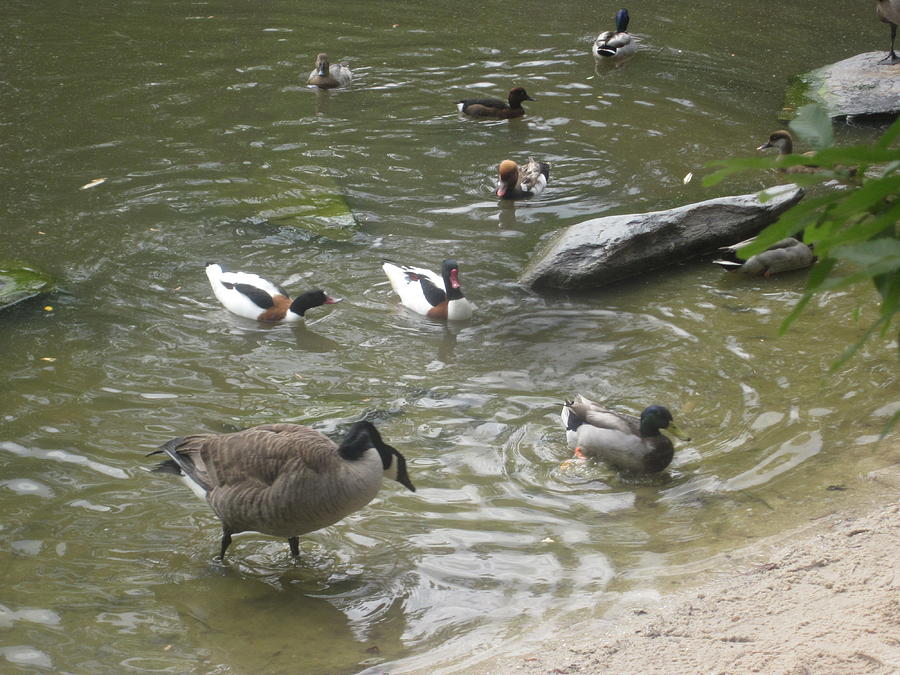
(432, 295)
(252, 297)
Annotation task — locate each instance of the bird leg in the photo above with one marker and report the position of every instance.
(892, 57)
(294, 543)
(226, 541)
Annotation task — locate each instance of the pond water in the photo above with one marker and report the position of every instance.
(212, 148)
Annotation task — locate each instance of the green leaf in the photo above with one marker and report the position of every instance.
(813, 125)
(20, 281)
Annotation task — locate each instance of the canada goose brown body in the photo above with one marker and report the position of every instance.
(284, 479)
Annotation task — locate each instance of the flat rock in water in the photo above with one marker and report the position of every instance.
(605, 250)
(856, 87)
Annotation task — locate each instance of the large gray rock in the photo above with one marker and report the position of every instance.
(605, 250)
(855, 87)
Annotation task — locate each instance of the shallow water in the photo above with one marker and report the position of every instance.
(213, 149)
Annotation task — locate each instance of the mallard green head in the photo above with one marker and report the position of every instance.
(656, 417)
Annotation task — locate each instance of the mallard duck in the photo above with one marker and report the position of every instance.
(522, 181)
(615, 44)
(329, 75)
(782, 256)
(889, 12)
(424, 292)
(494, 107)
(622, 441)
(252, 297)
(283, 479)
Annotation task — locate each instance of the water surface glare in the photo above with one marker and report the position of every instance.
(214, 150)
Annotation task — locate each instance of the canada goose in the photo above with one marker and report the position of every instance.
(424, 292)
(328, 75)
(782, 256)
(889, 12)
(252, 297)
(522, 181)
(622, 441)
(283, 479)
(494, 107)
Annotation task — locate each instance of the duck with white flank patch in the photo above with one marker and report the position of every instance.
(494, 107)
(252, 297)
(622, 441)
(517, 181)
(327, 75)
(615, 44)
(424, 292)
(283, 479)
(782, 256)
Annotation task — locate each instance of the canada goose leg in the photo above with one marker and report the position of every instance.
(294, 543)
(892, 57)
(226, 541)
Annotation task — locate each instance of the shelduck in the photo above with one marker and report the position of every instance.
(522, 181)
(424, 292)
(283, 479)
(252, 297)
(623, 441)
(328, 75)
(494, 107)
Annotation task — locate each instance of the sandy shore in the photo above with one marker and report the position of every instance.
(824, 598)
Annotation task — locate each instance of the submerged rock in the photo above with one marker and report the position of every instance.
(856, 87)
(606, 250)
(19, 282)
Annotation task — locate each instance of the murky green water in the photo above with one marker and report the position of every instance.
(212, 150)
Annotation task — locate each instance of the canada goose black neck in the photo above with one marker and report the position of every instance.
(363, 436)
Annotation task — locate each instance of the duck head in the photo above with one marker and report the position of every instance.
(622, 19)
(311, 299)
(450, 274)
(517, 95)
(779, 139)
(509, 174)
(322, 64)
(656, 417)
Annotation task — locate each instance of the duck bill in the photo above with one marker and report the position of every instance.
(764, 146)
(677, 433)
(332, 301)
(501, 190)
(454, 278)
